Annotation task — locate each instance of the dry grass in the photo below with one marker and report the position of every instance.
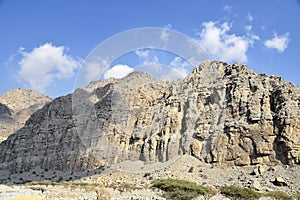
(28, 197)
(102, 192)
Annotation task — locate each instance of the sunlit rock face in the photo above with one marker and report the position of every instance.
(220, 113)
(16, 106)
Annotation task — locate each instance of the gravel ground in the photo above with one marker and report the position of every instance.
(132, 180)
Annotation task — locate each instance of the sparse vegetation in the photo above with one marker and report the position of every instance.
(180, 189)
(102, 192)
(10, 184)
(279, 195)
(124, 186)
(237, 192)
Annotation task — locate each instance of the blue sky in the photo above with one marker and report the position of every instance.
(44, 43)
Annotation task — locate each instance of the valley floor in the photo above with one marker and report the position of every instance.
(132, 180)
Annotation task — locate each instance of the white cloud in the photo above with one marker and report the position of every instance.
(248, 28)
(93, 71)
(180, 66)
(150, 59)
(249, 17)
(21, 48)
(118, 71)
(221, 45)
(227, 8)
(280, 43)
(164, 35)
(45, 64)
(142, 53)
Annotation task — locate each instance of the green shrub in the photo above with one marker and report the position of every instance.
(10, 184)
(179, 189)
(236, 192)
(279, 195)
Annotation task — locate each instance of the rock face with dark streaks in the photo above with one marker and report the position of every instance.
(221, 113)
(16, 106)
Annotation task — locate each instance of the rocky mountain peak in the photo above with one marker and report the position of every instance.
(222, 114)
(21, 98)
(16, 106)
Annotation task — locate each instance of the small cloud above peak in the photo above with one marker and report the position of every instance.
(227, 8)
(278, 42)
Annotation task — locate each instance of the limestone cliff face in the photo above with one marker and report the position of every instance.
(16, 106)
(220, 113)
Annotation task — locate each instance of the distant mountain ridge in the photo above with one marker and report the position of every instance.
(221, 113)
(16, 106)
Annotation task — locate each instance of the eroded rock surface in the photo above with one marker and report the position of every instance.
(221, 113)
(16, 106)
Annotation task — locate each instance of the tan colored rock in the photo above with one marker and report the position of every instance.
(256, 185)
(279, 181)
(220, 113)
(258, 171)
(16, 106)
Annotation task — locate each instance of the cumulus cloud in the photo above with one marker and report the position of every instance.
(142, 53)
(217, 41)
(280, 43)
(118, 71)
(45, 64)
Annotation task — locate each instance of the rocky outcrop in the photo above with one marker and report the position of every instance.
(16, 106)
(221, 113)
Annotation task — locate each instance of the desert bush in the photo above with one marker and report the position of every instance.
(124, 186)
(179, 189)
(10, 184)
(237, 192)
(279, 195)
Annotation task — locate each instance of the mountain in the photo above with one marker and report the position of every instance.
(16, 106)
(221, 113)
